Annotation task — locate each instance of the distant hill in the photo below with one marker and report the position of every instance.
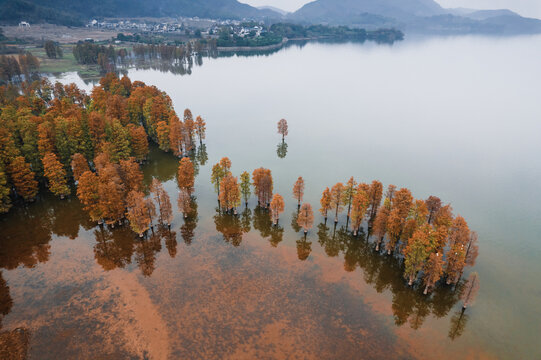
(76, 12)
(425, 16)
(275, 9)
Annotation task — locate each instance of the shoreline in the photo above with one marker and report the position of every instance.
(252, 48)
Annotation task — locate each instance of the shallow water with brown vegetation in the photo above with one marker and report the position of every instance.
(217, 287)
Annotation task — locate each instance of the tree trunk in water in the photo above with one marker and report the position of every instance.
(410, 282)
(389, 252)
(426, 290)
(355, 232)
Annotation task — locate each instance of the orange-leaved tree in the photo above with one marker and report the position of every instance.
(298, 190)
(282, 128)
(55, 173)
(79, 165)
(87, 192)
(325, 203)
(200, 128)
(23, 178)
(433, 270)
(337, 192)
(276, 207)
(229, 193)
(305, 219)
(360, 204)
(262, 181)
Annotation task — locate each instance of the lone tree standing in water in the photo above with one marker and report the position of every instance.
(276, 207)
(305, 219)
(298, 190)
(470, 290)
(245, 186)
(282, 128)
(337, 192)
(200, 127)
(325, 203)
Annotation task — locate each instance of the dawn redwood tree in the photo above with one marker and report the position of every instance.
(184, 202)
(200, 128)
(305, 219)
(87, 192)
(176, 137)
(23, 178)
(282, 128)
(163, 130)
(360, 204)
(5, 201)
(262, 181)
(185, 175)
(349, 192)
(472, 249)
(245, 186)
(375, 195)
(456, 257)
(111, 194)
(55, 173)
(433, 271)
(433, 204)
(389, 194)
(189, 127)
(276, 207)
(139, 142)
(402, 202)
(380, 223)
(138, 213)
(459, 233)
(131, 175)
(229, 193)
(79, 165)
(298, 190)
(337, 192)
(416, 218)
(219, 171)
(325, 203)
(416, 253)
(471, 288)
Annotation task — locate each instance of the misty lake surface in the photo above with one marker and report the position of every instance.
(459, 118)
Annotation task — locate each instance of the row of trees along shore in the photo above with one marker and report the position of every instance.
(54, 133)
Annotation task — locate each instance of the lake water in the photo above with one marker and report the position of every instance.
(459, 118)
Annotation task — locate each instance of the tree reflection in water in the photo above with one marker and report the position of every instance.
(409, 304)
(27, 232)
(304, 248)
(281, 149)
(187, 230)
(230, 226)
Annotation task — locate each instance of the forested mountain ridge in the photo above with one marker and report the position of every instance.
(76, 12)
(424, 16)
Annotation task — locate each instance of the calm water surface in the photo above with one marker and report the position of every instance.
(458, 118)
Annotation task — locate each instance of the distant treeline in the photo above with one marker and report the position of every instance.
(293, 31)
(277, 32)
